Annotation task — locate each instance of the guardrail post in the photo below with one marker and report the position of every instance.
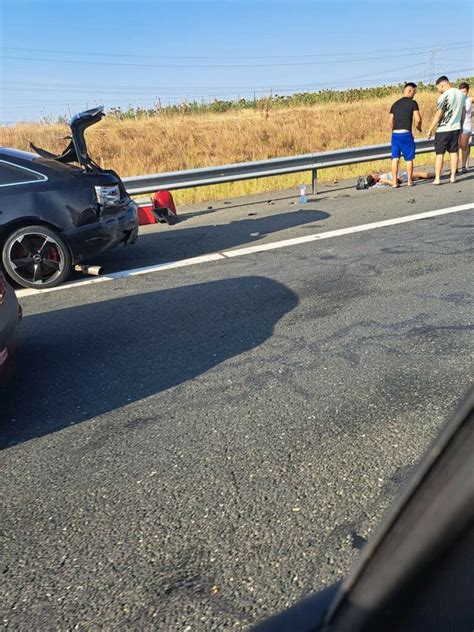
(314, 181)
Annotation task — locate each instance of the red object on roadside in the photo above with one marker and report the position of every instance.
(145, 215)
(163, 203)
(164, 199)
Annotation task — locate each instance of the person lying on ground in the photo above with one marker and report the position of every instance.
(385, 179)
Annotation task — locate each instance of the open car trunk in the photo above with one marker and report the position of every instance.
(76, 151)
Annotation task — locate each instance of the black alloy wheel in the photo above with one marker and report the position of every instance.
(36, 257)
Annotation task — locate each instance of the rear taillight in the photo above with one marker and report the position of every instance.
(3, 288)
(108, 195)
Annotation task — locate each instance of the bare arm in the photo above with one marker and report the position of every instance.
(417, 117)
(435, 122)
(391, 121)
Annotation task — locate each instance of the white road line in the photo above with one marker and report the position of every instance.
(216, 256)
(126, 273)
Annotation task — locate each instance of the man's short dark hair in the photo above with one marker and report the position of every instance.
(464, 85)
(441, 79)
(410, 84)
(370, 181)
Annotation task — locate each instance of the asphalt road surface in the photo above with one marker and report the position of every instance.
(198, 448)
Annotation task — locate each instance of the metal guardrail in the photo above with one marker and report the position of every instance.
(264, 168)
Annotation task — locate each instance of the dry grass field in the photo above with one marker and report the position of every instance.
(168, 143)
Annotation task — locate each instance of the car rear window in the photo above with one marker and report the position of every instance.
(14, 174)
(59, 167)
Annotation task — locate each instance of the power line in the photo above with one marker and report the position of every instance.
(112, 88)
(303, 55)
(283, 88)
(186, 66)
(242, 88)
(234, 93)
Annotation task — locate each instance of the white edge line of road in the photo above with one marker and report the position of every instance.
(226, 254)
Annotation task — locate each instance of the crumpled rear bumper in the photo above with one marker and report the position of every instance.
(101, 236)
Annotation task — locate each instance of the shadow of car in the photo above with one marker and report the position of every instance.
(58, 211)
(125, 349)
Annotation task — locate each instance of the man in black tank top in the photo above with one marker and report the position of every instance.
(402, 114)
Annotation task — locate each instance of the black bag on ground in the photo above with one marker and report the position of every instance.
(362, 183)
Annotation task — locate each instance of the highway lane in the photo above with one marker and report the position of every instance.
(266, 218)
(262, 219)
(197, 449)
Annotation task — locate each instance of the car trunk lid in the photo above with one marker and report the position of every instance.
(76, 151)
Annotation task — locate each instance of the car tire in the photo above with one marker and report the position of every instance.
(37, 257)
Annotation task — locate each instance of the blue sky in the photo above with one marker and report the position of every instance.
(61, 56)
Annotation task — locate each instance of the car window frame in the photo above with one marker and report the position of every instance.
(41, 177)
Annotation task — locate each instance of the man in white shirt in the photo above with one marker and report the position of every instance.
(447, 122)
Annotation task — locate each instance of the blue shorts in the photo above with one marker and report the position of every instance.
(403, 144)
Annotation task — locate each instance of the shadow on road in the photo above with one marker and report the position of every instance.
(76, 363)
(171, 243)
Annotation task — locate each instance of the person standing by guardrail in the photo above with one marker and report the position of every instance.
(402, 114)
(448, 122)
(466, 128)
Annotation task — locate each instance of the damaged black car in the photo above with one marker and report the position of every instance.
(60, 212)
